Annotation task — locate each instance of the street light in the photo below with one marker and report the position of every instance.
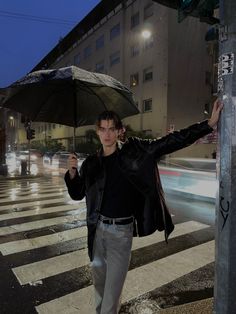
(146, 34)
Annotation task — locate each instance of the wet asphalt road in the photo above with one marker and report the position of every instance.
(37, 223)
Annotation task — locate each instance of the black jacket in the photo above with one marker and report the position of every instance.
(138, 159)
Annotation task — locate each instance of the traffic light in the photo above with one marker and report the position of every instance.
(30, 134)
(203, 9)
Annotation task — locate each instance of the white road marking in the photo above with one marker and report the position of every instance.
(59, 264)
(138, 280)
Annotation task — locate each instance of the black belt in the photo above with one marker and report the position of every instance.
(116, 221)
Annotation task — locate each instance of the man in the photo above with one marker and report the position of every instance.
(124, 197)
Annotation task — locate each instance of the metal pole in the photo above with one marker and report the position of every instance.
(74, 136)
(29, 157)
(225, 275)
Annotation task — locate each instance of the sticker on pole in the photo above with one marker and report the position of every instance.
(226, 64)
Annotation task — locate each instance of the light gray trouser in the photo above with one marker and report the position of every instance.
(112, 250)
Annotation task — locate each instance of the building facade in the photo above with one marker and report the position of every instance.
(166, 64)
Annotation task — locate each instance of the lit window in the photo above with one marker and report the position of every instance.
(134, 50)
(147, 74)
(77, 59)
(148, 11)
(134, 20)
(115, 31)
(134, 79)
(100, 67)
(115, 58)
(100, 42)
(87, 52)
(147, 105)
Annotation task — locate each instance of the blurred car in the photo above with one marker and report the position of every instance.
(190, 177)
(198, 164)
(60, 159)
(10, 157)
(47, 158)
(24, 155)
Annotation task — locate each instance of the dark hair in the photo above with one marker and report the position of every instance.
(110, 115)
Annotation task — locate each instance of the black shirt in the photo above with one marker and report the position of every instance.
(120, 198)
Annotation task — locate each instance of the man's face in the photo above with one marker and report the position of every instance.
(107, 133)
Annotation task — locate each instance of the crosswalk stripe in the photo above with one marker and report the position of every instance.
(39, 211)
(180, 229)
(39, 224)
(138, 280)
(56, 265)
(50, 267)
(30, 189)
(38, 242)
(38, 203)
(32, 196)
(167, 269)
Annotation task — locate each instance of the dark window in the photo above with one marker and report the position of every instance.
(87, 52)
(134, 20)
(147, 105)
(115, 31)
(134, 79)
(100, 42)
(100, 67)
(77, 59)
(134, 50)
(115, 58)
(147, 74)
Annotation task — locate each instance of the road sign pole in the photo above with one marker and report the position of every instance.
(225, 275)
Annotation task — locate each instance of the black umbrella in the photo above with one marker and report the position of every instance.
(70, 96)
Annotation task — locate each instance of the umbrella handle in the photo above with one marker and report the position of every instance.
(74, 158)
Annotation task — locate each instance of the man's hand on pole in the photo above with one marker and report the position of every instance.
(215, 115)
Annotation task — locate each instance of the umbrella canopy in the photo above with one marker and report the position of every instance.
(70, 96)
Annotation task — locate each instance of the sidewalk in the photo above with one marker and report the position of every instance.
(198, 307)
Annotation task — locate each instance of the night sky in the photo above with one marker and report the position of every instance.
(30, 29)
